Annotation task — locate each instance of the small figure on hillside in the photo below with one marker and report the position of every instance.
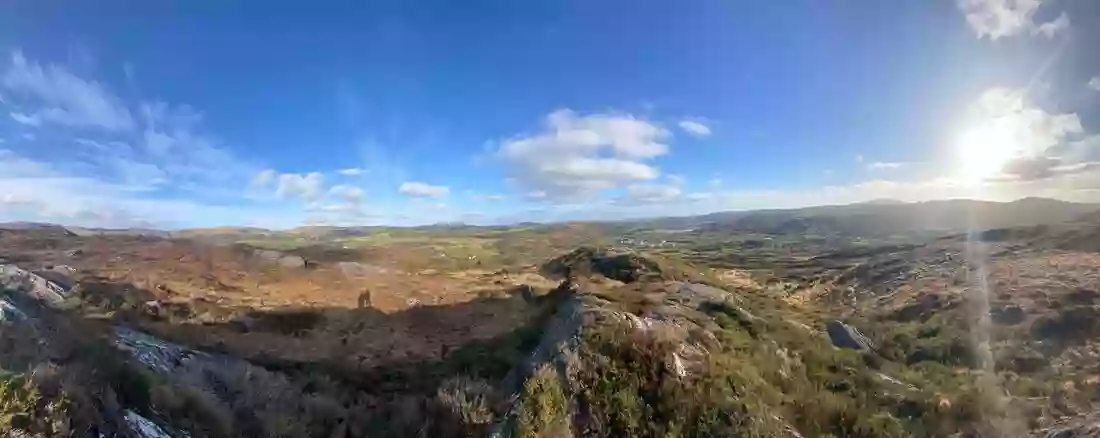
(365, 299)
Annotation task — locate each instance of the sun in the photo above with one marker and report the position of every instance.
(985, 148)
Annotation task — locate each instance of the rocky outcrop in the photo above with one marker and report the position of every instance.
(622, 266)
(144, 427)
(281, 259)
(30, 284)
(845, 336)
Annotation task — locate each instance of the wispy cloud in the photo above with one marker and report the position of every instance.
(352, 171)
(57, 96)
(880, 165)
(29, 120)
(347, 193)
(423, 190)
(649, 194)
(107, 166)
(695, 128)
(1094, 83)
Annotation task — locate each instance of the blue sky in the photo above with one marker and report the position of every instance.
(201, 114)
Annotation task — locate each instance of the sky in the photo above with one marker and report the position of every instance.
(201, 114)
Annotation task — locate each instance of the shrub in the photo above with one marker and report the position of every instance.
(542, 407)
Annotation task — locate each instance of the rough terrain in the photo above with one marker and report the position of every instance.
(624, 329)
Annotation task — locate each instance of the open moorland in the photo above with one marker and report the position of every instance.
(870, 320)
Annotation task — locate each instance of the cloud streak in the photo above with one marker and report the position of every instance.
(423, 190)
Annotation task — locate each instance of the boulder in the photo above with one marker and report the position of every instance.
(845, 336)
(292, 261)
(16, 279)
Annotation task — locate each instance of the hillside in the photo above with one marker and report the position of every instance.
(540, 331)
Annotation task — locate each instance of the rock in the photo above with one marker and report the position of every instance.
(293, 262)
(704, 292)
(155, 353)
(845, 336)
(144, 427)
(267, 254)
(9, 312)
(74, 253)
(33, 285)
(154, 309)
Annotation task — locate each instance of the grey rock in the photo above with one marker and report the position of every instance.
(845, 336)
(153, 352)
(292, 261)
(19, 280)
(267, 254)
(144, 427)
(10, 312)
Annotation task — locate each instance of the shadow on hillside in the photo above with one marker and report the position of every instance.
(426, 370)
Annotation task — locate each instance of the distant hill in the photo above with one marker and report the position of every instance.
(884, 218)
(147, 232)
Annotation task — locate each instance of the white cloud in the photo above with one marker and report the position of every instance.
(715, 182)
(37, 191)
(649, 194)
(1052, 28)
(1094, 83)
(353, 171)
(880, 165)
(63, 98)
(859, 158)
(479, 197)
(29, 120)
(1032, 129)
(695, 128)
(423, 190)
(676, 179)
(347, 193)
(579, 156)
(264, 179)
(1003, 18)
(307, 187)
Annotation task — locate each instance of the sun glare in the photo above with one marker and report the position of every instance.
(985, 148)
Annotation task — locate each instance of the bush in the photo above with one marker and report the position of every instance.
(542, 407)
(23, 408)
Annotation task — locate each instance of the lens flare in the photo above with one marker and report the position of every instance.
(986, 148)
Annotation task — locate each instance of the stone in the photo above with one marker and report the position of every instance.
(292, 261)
(845, 336)
(30, 284)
